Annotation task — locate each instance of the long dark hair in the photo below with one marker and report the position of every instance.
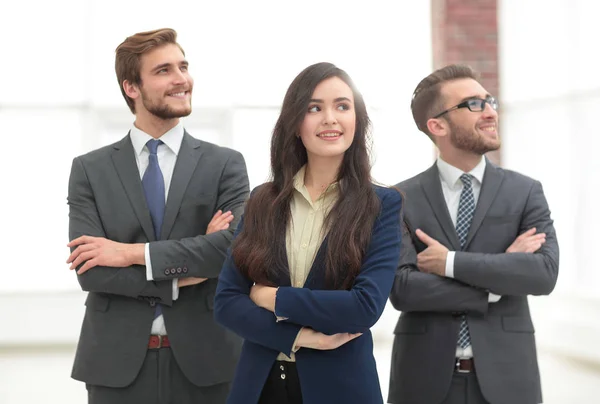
(259, 250)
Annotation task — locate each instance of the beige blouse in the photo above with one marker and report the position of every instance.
(305, 232)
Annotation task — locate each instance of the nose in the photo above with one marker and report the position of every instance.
(180, 77)
(489, 112)
(329, 117)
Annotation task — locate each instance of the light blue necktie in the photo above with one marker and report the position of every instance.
(466, 209)
(154, 190)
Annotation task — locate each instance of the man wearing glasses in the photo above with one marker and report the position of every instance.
(478, 240)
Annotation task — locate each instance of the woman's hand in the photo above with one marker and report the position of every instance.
(310, 338)
(263, 296)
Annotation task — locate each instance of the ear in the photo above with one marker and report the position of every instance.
(132, 90)
(438, 127)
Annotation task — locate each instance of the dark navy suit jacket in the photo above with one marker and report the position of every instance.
(344, 375)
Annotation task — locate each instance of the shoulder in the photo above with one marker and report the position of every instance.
(98, 156)
(515, 178)
(410, 184)
(390, 197)
(213, 149)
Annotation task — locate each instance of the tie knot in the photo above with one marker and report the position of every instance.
(466, 179)
(152, 145)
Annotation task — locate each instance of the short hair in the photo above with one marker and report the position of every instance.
(128, 55)
(427, 98)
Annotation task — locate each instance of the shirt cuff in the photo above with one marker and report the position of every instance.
(294, 347)
(493, 298)
(450, 264)
(175, 289)
(148, 262)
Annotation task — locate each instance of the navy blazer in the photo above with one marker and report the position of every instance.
(347, 374)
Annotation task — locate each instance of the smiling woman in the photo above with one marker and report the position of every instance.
(315, 254)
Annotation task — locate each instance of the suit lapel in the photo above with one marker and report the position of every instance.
(318, 266)
(492, 178)
(433, 192)
(187, 160)
(124, 160)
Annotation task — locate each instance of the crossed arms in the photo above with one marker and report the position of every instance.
(528, 267)
(338, 315)
(119, 268)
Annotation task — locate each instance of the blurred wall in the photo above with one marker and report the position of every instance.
(550, 96)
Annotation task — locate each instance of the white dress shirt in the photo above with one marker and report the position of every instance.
(452, 187)
(167, 156)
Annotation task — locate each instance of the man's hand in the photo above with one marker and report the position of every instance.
(310, 338)
(264, 296)
(182, 282)
(101, 251)
(220, 221)
(528, 242)
(433, 258)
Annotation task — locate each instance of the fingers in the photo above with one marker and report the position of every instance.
(82, 248)
(528, 233)
(87, 266)
(85, 256)
(80, 240)
(220, 221)
(425, 238)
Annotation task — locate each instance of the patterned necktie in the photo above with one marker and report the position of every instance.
(154, 190)
(466, 208)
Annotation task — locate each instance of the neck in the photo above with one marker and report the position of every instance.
(320, 173)
(463, 160)
(153, 125)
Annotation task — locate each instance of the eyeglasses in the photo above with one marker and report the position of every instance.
(474, 105)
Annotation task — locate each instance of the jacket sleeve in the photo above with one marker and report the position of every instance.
(235, 310)
(357, 309)
(84, 219)
(203, 255)
(414, 290)
(517, 274)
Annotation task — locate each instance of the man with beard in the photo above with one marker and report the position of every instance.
(150, 220)
(479, 240)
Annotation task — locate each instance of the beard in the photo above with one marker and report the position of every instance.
(471, 141)
(163, 111)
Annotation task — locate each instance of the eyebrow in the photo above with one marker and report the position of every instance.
(475, 97)
(163, 65)
(339, 99)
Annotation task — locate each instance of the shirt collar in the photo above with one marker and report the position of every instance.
(172, 138)
(301, 188)
(451, 175)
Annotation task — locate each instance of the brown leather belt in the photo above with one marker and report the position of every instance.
(464, 365)
(158, 341)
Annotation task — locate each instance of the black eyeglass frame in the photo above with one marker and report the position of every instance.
(474, 105)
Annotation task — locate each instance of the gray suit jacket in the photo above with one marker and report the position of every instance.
(502, 333)
(106, 199)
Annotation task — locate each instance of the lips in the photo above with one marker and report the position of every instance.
(329, 134)
(179, 94)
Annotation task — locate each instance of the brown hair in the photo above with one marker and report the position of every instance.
(259, 249)
(127, 61)
(427, 100)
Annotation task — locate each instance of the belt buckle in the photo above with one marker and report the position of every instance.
(160, 341)
(457, 365)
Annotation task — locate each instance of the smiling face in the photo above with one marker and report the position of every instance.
(474, 132)
(166, 85)
(327, 130)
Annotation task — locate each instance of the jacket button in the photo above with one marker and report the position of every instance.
(178, 270)
(173, 270)
(185, 270)
(167, 271)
